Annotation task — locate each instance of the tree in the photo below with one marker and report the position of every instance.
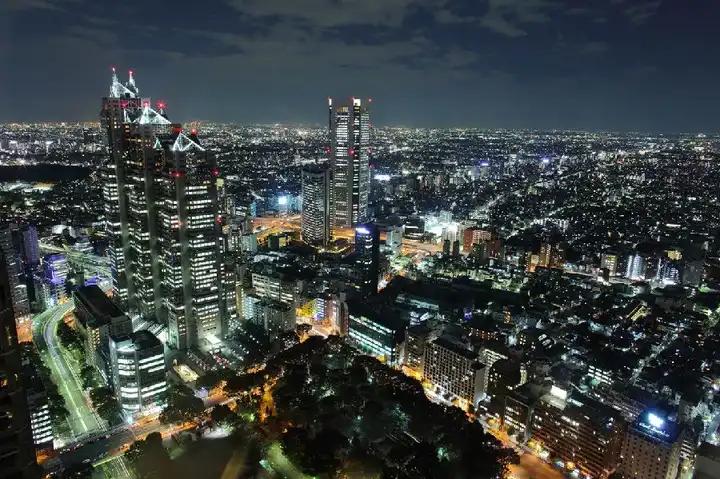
(149, 457)
(88, 378)
(78, 471)
(182, 406)
(70, 338)
(221, 414)
(106, 404)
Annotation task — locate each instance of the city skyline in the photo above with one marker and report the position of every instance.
(615, 66)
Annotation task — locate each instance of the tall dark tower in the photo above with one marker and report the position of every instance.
(317, 213)
(367, 251)
(350, 160)
(16, 442)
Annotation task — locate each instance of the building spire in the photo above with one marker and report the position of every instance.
(131, 80)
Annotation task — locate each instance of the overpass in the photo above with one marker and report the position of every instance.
(92, 264)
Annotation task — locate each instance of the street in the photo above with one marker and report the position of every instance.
(82, 417)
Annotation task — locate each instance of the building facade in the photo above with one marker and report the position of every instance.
(376, 333)
(138, 373)
(162, 220)
(11, 247)
(652, 447)
(350, 160)
(367, 256)
(317, 207)
(455, 372)
(17, 452)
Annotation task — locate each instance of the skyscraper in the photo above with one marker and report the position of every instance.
(162, 219)
(10, 246)
(367, 251)
(350, 159)
(16, 439)
(317, 214)
(190, 242)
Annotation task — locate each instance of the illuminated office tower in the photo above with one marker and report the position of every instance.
(350, 159)
(16, 436)
(119, 109)
(635, 267)
(162, 219)
(138, 373)
(609, 261)
(190, 242)
(317, 217)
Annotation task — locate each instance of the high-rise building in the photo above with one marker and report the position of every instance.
(162, 219)
(350, 160)
(31, 248)
(652, 447)
(10, 248)
(16, 436)
(636, 267)
(455, 371)
(581, 433)
(138, 372)
(610, 262)
(376, 333)
(367, 251)
(317, 213)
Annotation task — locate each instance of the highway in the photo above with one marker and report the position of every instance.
(274, 225)
(92, 264)
(84, 421)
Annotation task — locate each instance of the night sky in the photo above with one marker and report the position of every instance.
(618, 65)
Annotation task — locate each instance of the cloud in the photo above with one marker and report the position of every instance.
(594, 47)
(333, 13)
(20, 5)
(511, 17)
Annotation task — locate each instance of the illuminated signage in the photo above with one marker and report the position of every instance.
(655, 425)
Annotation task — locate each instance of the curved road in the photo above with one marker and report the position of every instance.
(82, 418)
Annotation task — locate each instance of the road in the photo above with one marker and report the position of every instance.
(82, 418)
(92, 264)
(275, 225)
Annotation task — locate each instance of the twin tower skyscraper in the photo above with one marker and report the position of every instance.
(163, 221)
(337, 195)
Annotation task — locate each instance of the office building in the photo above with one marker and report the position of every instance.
(138, 373)
(652, 447)
(16, 435)
(274, 317)
(376, 333)
(317, 210)
(455, 372)
(472, 236)
(30, 246)
(38, 405)
(578, 432)
(610, 262)
(418, 337)
(367, 257)
(275, 287)
(635, 267)
(190, 243)
(394, 239)
(55, 274)
(350, 160)
(99, 318)
(10, 248)
(162, 219)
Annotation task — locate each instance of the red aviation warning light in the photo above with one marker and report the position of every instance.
(216, 172)
(193, 131)
(161, 105)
